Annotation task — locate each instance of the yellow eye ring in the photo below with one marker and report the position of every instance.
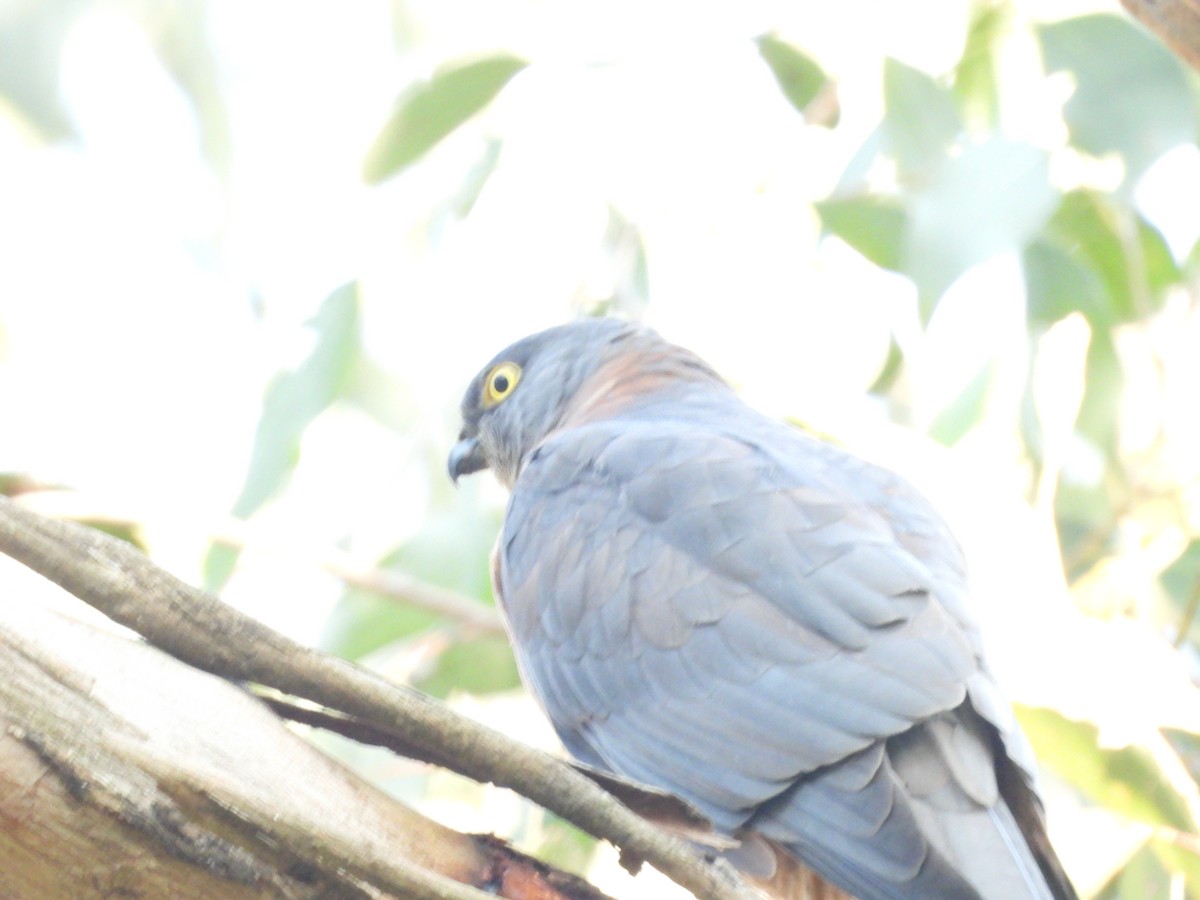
(500, 382)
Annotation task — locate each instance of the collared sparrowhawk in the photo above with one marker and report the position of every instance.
(716, 604)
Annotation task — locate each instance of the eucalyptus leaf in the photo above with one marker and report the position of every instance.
(1187, 744)
(295, 397)
(872, 225)
(1162, 271)
(1111, 242)
(1086, 226)
(482, 666)
(179, 32)
(1143, 875)
(1128, 780)
(1086, 516)
(430, 111)
(292, 400)
(893, 366)
(1058, 284)
(1103, 380)
(1131, 95)
(920, 119)
(362, 622)
(32, 37)
(976, 81)
(991, 198)
(1181, 581)
(966, 410)
(798, 76)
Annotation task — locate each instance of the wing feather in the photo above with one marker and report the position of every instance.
(680, 578)
(747, 621)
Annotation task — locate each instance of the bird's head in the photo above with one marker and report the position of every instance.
(520, 396)
(562, 374)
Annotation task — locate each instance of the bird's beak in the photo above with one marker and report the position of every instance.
(465, 457)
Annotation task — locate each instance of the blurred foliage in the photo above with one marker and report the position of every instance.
(939, 183)
(430, 111)
(1132, 97)
(31, 39)
(293, 399)
(1181, 580)
(451, 550)
(799, 77)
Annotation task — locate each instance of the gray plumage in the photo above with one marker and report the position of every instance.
(714, 603)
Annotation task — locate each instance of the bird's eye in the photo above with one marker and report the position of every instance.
(500, 383)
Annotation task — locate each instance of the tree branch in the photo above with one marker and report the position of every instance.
(1175, 22)
(124, 771)
(200, 630)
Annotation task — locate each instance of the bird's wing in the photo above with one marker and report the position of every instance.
(655, 577)
(704, 614)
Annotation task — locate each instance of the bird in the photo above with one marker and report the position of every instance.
(717, 604)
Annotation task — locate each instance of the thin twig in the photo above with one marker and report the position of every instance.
(198, 629)
(460, 608)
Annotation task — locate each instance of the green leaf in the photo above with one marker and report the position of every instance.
(563, 845)
(1181, 581)
(219, 563)
(32, 37)
(182, 38)
(430, 111)
(989, 199)
(1127, 254)
(872, 225)
(1127, 781)
(450, 551)
(1086, 226)
(1057, 284)
(798, 76)
(1131, 95)
(482, 666)
(976, 85)
(1157, 262)
(475, 180)
(965, 411)
(363, 621)
(920, 120)
(1103, 381)
(1086, 516)
(1160, 868)
(1143, 875)
(1029, 422)
(1185, 743)
(292, 400)
(892, 367)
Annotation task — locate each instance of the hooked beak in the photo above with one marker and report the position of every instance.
(465, 457)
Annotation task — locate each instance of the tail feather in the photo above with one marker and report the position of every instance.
(939, 810)
(977, 809)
